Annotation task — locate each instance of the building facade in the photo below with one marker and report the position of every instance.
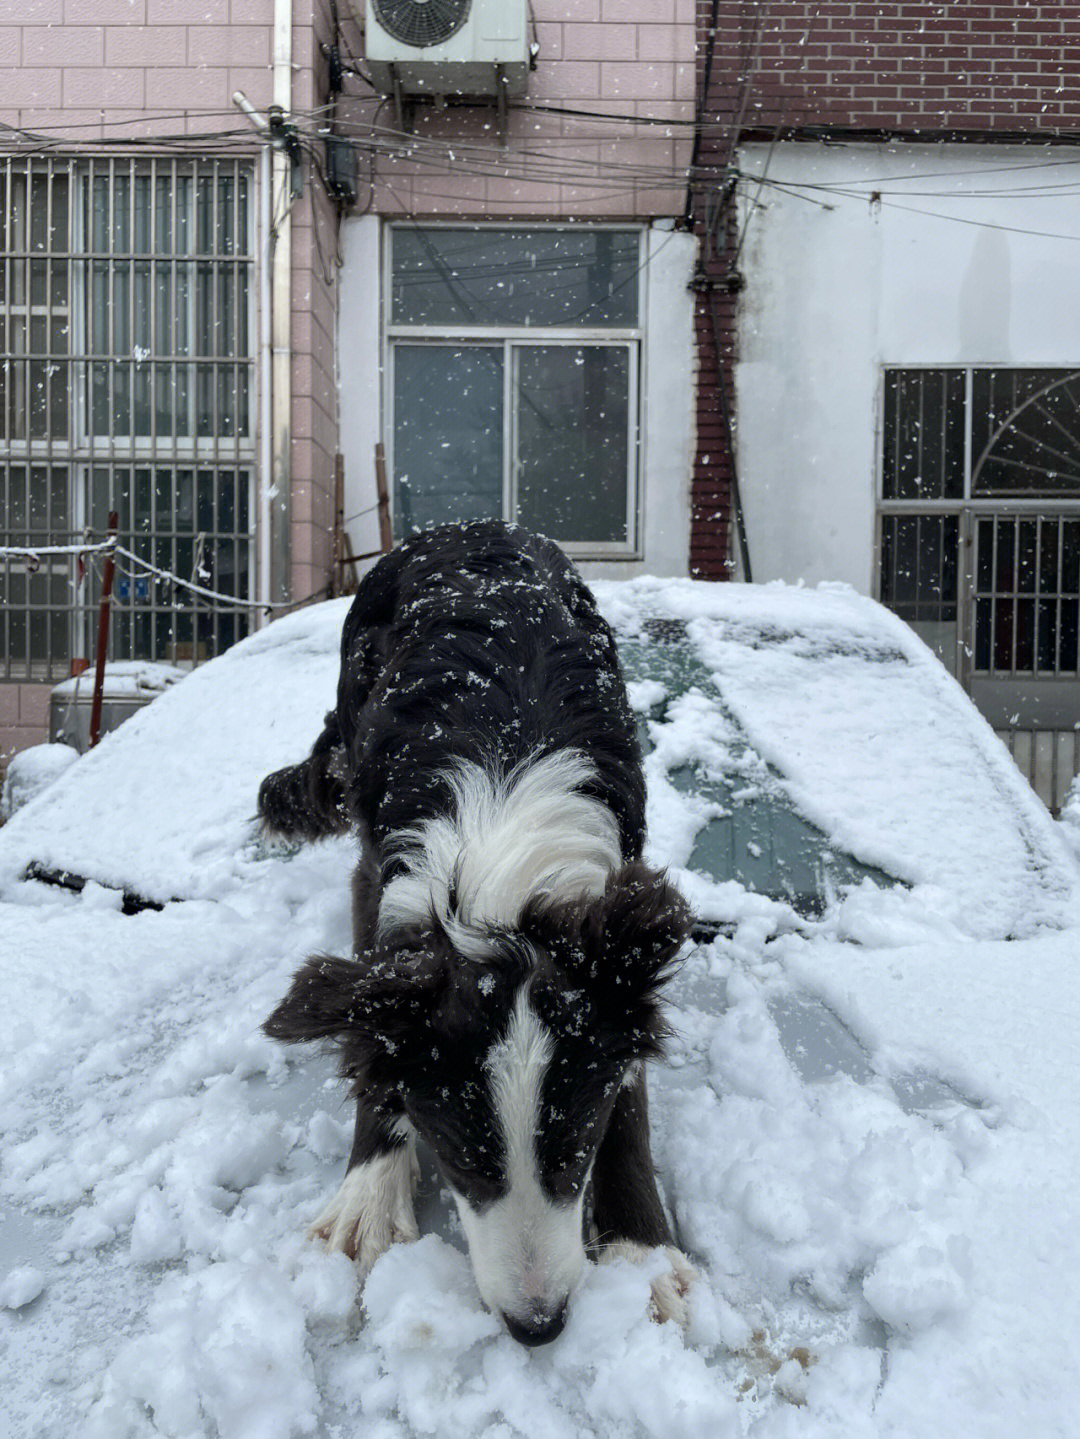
(779, 290)
(896, 255)
(246, 266)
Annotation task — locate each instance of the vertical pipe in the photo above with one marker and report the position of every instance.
(386, 536)
(281, 317)
(261, 515)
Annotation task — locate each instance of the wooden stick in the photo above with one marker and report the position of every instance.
(103, 635)
(337, 552)
(386, 535)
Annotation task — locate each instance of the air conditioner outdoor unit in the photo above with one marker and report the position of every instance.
(447, 47)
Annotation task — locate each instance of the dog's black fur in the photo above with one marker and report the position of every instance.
(480, 643)
(475, 642)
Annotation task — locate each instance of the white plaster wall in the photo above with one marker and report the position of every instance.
(360, 375)
(667, 412)
(667, 403)
(946, 268)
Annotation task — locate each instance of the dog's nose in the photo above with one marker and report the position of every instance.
(539, 1324)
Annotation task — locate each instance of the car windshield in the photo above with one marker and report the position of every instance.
(751, 832)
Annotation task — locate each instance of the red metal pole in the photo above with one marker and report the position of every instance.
(103, 635)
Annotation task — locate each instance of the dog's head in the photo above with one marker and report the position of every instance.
(509, 1067)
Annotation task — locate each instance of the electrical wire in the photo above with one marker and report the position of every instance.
(867, 197)
(520, 164)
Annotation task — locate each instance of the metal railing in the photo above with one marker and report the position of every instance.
(49, 601)
(127, 380)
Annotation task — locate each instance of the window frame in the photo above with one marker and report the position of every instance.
(226, 460)
(969, 508)
(508, 337)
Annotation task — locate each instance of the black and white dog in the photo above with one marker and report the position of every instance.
(509, 943)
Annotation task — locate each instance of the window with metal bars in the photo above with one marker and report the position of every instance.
(980, 515)
(126, 383)
(1027, 594)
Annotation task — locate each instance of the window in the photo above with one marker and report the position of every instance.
(126, 378)
(980, 516)
(514, 363)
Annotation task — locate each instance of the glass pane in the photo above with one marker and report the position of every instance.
(923, 435)
(142, 242)
(185, 500)
(573, 419)
(919, 560)
(1025, 432)
(515, 277)
(121, 311)
(448, 434)
(204, 511)
(1070, 615)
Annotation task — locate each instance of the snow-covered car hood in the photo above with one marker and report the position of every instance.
(817, 704)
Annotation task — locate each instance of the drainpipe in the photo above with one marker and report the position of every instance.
(266, 386)
(277, 509)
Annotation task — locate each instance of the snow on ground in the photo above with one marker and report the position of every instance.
(866, 1130)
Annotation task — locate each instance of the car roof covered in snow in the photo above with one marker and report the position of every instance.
(788, 730)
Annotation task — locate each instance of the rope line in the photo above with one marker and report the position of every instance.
(35, 553)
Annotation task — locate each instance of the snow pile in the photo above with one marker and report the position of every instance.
(31, 771)
(21, 1286)
(435, 1363)
(123, 679)
(186, 831)
(799, 1173)
(1070, 817)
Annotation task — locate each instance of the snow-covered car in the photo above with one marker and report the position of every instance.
(866, 1129)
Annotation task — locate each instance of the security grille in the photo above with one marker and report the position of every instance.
(126, 383)
(1027, 595)
(980, 545)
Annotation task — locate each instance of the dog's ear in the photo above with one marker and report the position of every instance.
(349, 1001)
(622, 947)
(632, 934)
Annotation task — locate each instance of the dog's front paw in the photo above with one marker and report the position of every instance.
(671, 1289)
(372, 1210)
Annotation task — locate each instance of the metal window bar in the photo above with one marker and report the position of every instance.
(110, 397)
(1027, 595)
(1048, 759)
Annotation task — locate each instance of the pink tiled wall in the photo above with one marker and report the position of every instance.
(612, 57)
(130, 69)
(24, 718)
(133, 67)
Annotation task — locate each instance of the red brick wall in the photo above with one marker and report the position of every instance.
(921, 67)
(712, 487)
